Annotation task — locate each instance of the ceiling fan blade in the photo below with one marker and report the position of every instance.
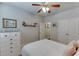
(49, 11)
(36, 4)
(39, 10)
(55, 5)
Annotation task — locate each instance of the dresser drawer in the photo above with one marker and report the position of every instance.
(4, 53)
(10, 50)
(10, 44)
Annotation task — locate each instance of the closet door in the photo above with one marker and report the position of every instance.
(62, 31)
(54, 32)
(68, 30)
(41, 31)
(73, 29)
(77, 29)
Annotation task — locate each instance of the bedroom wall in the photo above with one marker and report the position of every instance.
(28, 34)
(65, 15)
(72, 13)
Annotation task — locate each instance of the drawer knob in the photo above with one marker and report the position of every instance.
(15, 34)
(5, 35)
(11, 51)
(11, 43)
(67, 33)
(11, 39)
(11, 47)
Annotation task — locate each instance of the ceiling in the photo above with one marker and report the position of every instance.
(27, 6)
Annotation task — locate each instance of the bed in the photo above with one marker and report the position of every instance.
(43, 47)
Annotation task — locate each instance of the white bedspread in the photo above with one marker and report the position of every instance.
(43, 48)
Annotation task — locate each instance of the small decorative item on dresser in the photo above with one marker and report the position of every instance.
(9, 23)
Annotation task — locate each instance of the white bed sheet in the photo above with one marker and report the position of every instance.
(43, 48)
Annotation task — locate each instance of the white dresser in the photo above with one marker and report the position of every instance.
(10, 44)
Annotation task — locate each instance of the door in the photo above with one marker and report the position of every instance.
(68, 30)
(73, 29)
(41, 32)
(62, 31)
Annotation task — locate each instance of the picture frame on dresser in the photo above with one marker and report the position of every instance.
(9, 23)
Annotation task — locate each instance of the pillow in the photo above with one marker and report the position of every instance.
(78, 43)
(73, 43)
(77, 53)
(71, 49)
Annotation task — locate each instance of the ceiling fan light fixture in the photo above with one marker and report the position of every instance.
(44, 9)
(47, 9)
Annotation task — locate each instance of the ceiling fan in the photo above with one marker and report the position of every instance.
(46, 7)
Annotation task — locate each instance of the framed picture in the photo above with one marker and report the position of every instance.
(9, 23)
